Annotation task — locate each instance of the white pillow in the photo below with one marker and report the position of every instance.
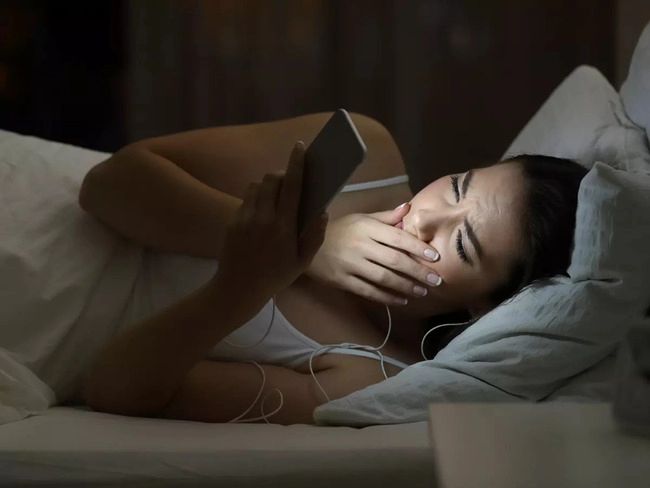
(546, 337)
(635, 91)
(584, 120)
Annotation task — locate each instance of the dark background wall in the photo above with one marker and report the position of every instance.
(61, 70)
(454, 80)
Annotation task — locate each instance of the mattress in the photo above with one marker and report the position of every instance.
(75, 446)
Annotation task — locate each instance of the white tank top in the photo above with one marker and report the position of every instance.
(284, 345)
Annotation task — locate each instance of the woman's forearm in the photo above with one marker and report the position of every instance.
(139, 370)
(152, 201)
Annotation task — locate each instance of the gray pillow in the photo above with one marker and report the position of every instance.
(531, 345)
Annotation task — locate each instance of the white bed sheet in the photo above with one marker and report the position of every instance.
(74, 446)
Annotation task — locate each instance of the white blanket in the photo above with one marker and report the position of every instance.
(65, 277)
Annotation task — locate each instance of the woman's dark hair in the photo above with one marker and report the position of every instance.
(549, 220)
(548, 226)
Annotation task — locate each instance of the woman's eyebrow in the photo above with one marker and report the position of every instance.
(466, 180)
(468, 228)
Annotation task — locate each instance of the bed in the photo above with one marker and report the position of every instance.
(72, 446)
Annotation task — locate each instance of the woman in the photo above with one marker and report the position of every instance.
(490, 231)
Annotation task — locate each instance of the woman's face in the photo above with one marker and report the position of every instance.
(473, 220)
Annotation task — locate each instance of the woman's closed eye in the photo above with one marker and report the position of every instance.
(460, 249)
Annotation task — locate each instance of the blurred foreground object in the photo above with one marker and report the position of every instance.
(632, 401)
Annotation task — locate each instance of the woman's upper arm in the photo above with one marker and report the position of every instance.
(219, 391)
(228, 158)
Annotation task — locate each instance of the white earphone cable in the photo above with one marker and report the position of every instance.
(346, 345)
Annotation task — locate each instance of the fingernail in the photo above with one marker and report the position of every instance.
(434, 279)
(418, 290)
(431, 254)
(400, 206)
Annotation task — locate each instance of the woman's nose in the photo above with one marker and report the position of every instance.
(427, 222)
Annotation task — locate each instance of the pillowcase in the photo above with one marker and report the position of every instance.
(584, 120)
(544, 338)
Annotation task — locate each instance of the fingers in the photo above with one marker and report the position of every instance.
(247, 208)
(398, 261)
(267, 197)
(392, 217)
(312, 238)
(372, 292)
(402, 240)
(289, 197)
(398, 281)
